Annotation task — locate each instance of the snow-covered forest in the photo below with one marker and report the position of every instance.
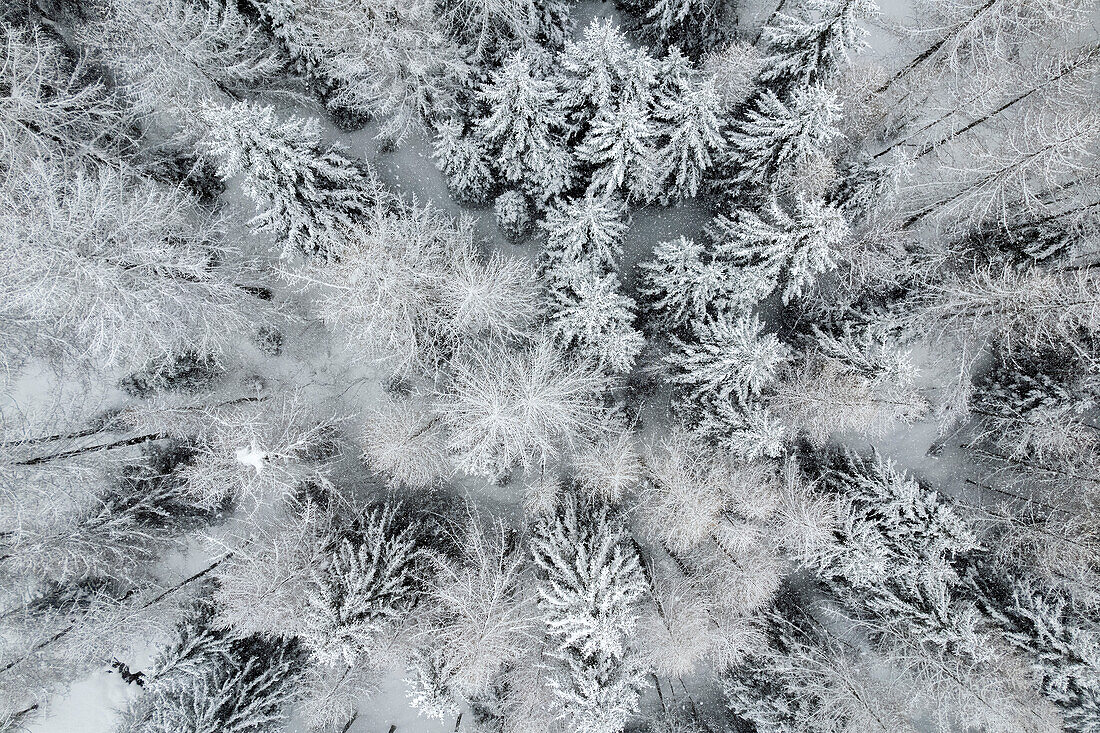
(549, 366)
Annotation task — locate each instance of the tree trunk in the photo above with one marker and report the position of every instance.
(934, 48)
(160, 596)
(136, 440)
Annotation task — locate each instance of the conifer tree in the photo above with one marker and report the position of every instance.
(897, 556)
(696, 26)
(525, 127)
(601, 71)
(369, 580)
(589, 585)
(777, 138)
(791, 249)
(687, 110)
(391, 59)
(730, 360)
(465, 163)
(1044, 627)
(589, 312)
(586, 228)
(308, 195)
(513, 215)
(215, 681)
(812, 46)
(684, 282)
(620, 144)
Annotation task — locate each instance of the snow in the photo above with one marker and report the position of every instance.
(252, 456)
(91, 705)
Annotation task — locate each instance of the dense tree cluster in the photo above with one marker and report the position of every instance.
(677, 370)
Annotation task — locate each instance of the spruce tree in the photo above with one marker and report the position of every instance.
(620, 145)
(589, 585)
(899, 550)
(814, 45)
(776, 138)
(729, 360)
(685, 282)
(465, 163)
(212, 680)
(696, 26)
(369, 579)
(602, 71)
(589, 312)
(309, 195)
(791, 249)
(1045, 627)
(525, 126)
(689, 129)
(588, 228)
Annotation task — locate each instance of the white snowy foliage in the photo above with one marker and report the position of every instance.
(525, 127)
(588, 228)
(620, 143)
(507, 407)
(731, 360)
(309, 195)
(390, 59)
(792, 248)
(690, 123)
(591, 579)
(778, 139)
(595, 317)
(49, 105)
(683, 281)
(366, 583)
(610, 467)
(480, 611)
(404, 443)
(110, 270)
(172, 55)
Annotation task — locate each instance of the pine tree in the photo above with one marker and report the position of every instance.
(1034, 404)
(689, 129)
(370, 580)
(214, 681)
(620, 145)
(588, 228)
(684, 282)
(729, 360)
(525, 127)
(390, 59)
(589, 585)
(1044, 626)
(777, 138)
(788, 248)
(602, 72)
(696, 26)
(465, 163)
(309, 196)
(814, 45)
(590, 313)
